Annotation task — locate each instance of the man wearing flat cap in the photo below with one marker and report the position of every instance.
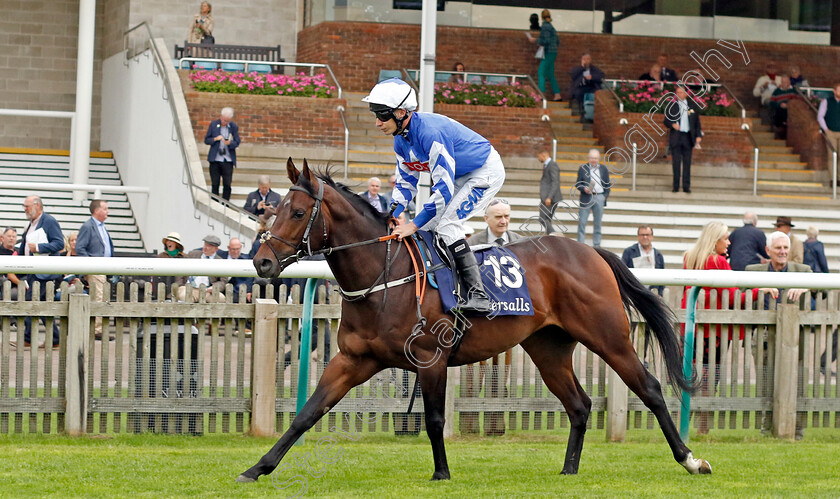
(214, 285)
(797, 249)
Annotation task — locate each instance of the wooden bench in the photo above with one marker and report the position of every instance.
(240, 52)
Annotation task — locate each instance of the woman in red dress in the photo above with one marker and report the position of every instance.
(708, 253)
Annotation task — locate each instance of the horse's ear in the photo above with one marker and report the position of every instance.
(308, 173)
(293, 172)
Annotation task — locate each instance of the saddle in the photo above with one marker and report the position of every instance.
(503, 276)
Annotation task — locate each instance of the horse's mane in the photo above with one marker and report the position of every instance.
(358, 202)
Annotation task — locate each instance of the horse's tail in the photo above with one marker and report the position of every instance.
(659, 318)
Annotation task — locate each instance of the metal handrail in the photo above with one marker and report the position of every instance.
(756, 152)
(513, 77)
(180, 138)
(747, 128)
(824, 136)
(809, 90)
(97, 189)
(312, 66)
(737, 100)
(623, 122)
(32, 113)
(617, 98)
(340, 110)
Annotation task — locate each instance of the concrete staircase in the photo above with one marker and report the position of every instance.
(53, 167)
(719, 193)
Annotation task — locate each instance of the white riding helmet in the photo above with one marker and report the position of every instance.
(392, 94)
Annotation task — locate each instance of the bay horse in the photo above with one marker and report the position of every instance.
(579, 295)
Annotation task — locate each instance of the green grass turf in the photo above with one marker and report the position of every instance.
(523, 464)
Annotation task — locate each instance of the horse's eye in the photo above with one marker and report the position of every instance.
(298, 214)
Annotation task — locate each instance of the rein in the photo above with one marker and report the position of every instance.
(300, 253)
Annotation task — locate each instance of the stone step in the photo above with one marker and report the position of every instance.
(562, 132)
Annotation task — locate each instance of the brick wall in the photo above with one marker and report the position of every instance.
(269, 120)
(805, 137)
(357, 51)
(724, 144)
(512, 131)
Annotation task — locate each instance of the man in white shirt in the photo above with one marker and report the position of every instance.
(593, 182)
(373, 197)
(214, 285)
(643, 255)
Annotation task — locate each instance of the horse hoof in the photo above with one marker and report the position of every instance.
(245, 479)
(696, 466)
(568, 472)
(440, 476)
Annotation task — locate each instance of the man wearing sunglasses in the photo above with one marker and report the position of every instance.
(466, 172)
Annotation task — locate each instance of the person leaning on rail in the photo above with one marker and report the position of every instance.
(778, 247)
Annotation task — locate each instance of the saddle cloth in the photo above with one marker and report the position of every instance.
(502, 275)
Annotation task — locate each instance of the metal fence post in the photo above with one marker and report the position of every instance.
(786, 375)
(76, 381)
(688, 359)
(264, 366)
(305, 350)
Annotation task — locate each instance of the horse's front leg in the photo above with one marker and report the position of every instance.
(341, 374)
(433, 385)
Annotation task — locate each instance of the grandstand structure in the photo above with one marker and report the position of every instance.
(148, 124)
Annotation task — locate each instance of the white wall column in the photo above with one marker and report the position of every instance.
(80, 140)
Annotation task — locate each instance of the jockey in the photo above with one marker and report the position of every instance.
(466, 171)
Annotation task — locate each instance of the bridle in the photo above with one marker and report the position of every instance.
(378, 285)
(299, 251)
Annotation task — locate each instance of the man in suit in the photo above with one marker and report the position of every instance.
(223, 138)
(214, 285)
(234, 252)
(778, 247)
(550, 193)
(748, 244)
(586, 79)
(797, 248)
(665, 72)
(593, 182)
(42, 237)
(682, 118)
(94, 240)
(497, 218)
(258, 200)
(372, 196)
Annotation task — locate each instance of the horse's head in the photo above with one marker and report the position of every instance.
(299, 224)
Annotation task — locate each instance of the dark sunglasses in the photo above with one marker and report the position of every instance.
(496, 201)
(384, 115)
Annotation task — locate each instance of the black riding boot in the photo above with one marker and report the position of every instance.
(472, 289)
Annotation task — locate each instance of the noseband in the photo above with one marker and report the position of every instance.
(299, 251)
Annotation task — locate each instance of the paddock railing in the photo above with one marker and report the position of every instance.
(231, 366)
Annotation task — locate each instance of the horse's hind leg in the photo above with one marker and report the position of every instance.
(622, 358)
(342, 374)
(551, 350)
